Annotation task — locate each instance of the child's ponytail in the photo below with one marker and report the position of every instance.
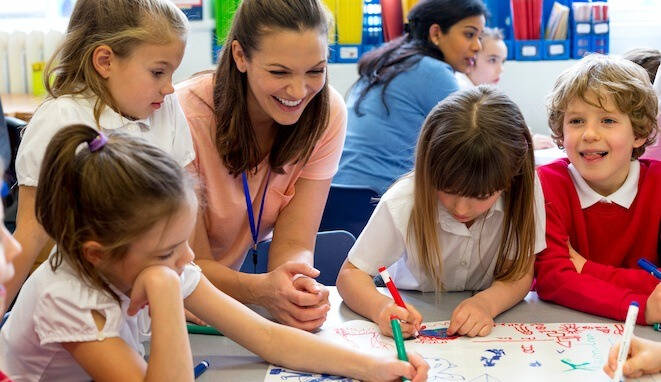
(57, 196)
(107, 190)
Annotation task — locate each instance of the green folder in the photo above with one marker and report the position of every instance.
(224, 10)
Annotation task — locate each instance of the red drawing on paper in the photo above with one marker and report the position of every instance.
(373, 337)
(529, 349)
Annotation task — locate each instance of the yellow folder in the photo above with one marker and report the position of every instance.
(349, 21)
(406, 7)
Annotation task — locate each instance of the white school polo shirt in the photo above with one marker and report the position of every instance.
(166, 128)
(55, 307)
(623, 196)
(469, 255)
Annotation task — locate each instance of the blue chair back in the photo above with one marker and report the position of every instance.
(348, 208)
(331, 248)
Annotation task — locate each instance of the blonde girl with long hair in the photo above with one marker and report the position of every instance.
(469, 217)
(113, 71)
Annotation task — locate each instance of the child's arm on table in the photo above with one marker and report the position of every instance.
(559, 282)
(474, 316)
(631, 278)
(113, 360)
(304, 351)
(359, 293)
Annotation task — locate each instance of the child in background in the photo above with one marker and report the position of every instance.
(644, 358)
(602, 204)
(9, 249)
(113, 71)
(469, 217)
(649, 59)
(489, 61)
(121, 211)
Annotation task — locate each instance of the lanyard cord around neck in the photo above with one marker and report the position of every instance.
(254, 230)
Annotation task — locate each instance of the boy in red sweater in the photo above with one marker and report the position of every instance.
(603, 205)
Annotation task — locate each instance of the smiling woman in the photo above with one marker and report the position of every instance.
(268, 132)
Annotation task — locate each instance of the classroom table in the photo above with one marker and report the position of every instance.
(21, 106)
(231, 362)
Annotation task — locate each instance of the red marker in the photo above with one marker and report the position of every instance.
(392, 289)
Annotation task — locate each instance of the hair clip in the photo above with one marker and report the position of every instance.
(98, 142)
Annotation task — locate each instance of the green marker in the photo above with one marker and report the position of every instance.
(657, 327)
(198, 329)
(399, 340)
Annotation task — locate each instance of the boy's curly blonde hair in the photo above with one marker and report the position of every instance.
(627, 83)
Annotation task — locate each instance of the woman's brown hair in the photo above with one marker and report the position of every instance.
(235, 138)
(110, 196)
(120, 24)
(475, 143)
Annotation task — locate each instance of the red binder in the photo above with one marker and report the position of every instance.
(392, 18)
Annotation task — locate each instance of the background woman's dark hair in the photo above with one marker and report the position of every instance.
(235, 138)
(381, 65)
(110, 196)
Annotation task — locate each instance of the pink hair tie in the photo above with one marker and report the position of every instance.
(98, 142)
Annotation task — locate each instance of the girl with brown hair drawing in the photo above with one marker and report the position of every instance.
(469, 217)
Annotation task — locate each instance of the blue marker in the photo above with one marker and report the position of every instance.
(649, 267)
(201, 368)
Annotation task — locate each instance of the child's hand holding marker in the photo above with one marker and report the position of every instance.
(392, 369)
(410, 318)
(415, 360)
(644, 357)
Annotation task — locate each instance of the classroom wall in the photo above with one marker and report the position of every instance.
(527, 83)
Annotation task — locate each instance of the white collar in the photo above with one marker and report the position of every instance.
(450, 224)
(111, 120)
(624, 195)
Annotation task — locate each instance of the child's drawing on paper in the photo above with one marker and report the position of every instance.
(275, 373)
(512, 352)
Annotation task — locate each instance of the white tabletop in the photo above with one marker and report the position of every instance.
(231, 362)
(549, 155)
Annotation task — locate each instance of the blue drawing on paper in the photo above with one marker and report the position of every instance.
(436, 333)
(489, 359)
(535, 364)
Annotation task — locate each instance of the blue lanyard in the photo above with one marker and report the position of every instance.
(254, 230)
